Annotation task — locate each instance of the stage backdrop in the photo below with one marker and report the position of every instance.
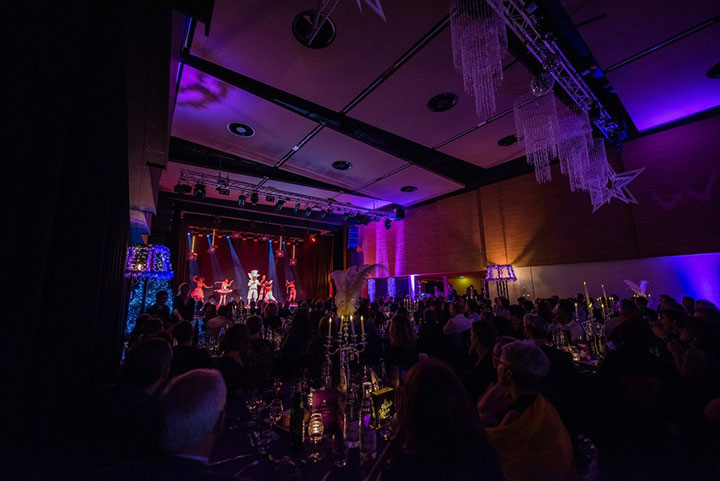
(234, 258)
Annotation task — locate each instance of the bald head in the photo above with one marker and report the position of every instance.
(193, 407)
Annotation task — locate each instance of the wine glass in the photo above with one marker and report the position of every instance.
(275, 413)
(315, 433)
(339, 450)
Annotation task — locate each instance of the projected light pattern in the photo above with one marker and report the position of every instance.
(192, 264)
(240, 274)
(391, 287)
(371, 289)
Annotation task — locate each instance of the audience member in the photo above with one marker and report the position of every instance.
(185, 356)
(160, 308)
(235, 345)
(219, 322)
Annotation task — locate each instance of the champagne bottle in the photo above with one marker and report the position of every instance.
(297, 420)
(368, 436)
(351, 425)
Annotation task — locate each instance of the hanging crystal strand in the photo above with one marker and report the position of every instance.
(574, 134)
(536, 122)
(478, 38)
(597, 174)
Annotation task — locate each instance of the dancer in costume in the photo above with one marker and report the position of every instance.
(261, 288)
(198, 294)
(267, 291)
(224, 290)
(253, 285)
(291, 292)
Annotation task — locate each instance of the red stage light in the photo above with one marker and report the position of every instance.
(244, 238)
(293, 262)
(279, 253)
(236, 235)
(313, 238)
(255, 239)
(201, 235)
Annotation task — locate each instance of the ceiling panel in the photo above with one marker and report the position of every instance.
(205, 106)
(481, 146)
(255, 39)
(399, 105)
(429, 186)
(669, 83)
(316, 157)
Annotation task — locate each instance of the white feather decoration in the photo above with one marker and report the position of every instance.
(349, 284)
(640, 290)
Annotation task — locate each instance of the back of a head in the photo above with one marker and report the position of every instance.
(182, 332)
(153, 325)
(485, 333)
(236, 338)
(146, 363)
(641, 301)
(529, 365)
(536, 326)
(401, 332)
(270, 310)
(635, 332)
(516, 311)
(223, 311)
(436, 416)
(254, 324)
(566, 306)
(627, 307)
(191, 406)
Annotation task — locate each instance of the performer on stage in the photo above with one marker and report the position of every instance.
(198, 294)
(267, 291)
(224, 290)
(253, 285)
(290, 289)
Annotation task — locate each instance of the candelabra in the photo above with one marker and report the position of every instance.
(594, 331)
(347, 344)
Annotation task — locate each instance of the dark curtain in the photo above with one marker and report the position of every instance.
(66, 223)
(314, 267)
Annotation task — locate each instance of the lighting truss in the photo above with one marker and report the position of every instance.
(263, 190)
(519, 19)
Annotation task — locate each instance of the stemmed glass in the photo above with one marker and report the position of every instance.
(315, 433)
(275, 413)
(255, 405)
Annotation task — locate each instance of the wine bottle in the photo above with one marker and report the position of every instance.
(368, 436)
(351, 425)
(297, 420)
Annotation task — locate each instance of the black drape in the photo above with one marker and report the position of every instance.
(66, 223)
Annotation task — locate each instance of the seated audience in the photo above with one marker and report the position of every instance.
(458, 322)
(531, 440)
(160, 308)
(219, 322)
(439, 435)
(402, 353)
(481, 372)
(235, 344)
(185, 356)
(129, 425)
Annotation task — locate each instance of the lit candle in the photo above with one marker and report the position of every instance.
(362, 326)
(352, 326)
(587, 296)
(330, 328)
(576, 311)
(604, 294)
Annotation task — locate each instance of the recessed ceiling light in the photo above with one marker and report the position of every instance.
(714, 71)
(442, 102)
(302, 26)
(342, 165)
(408, 188)
(508, 141)
(240, 129)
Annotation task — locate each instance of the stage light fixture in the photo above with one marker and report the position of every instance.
(308, 211)
(323, 213)
(182, 188)
(346, 216)
(270, 198)
(199, 191)
(297, 208)
(388, 224)
(254, 198)
(279, 205)
(255, 239)
(222, 190)
(241, 200)
(313, 238)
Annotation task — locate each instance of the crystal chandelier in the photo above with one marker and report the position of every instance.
(574, 135)
(536, 122)
(478, 38)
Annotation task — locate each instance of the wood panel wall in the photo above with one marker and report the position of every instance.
(524, 223)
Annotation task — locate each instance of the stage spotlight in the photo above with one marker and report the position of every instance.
(241, 200)
(323, 213)
(270, 198)
(199, 192)
(254, 198)
(222, 190)
(297, 208)
(279, 205)
(182, 188)
(346, 216)
(313, 238)
(388, 224)
(255, 239)
(308, 211)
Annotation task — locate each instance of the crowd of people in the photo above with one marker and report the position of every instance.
(485, 390)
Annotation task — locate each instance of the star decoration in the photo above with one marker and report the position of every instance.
(615, 187)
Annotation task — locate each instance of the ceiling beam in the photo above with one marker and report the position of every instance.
(412, 152)
(189, 153)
